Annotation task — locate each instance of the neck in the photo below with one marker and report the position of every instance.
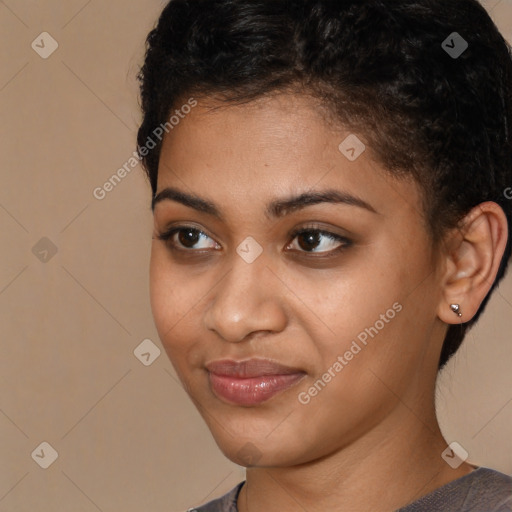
(392, 465)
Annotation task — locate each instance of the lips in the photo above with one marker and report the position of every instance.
(252, 381)
(250, 368)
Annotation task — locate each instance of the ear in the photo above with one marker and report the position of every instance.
(472, 261)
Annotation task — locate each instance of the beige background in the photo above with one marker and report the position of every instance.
(127, 436)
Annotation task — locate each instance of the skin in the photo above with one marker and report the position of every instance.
(369, 440)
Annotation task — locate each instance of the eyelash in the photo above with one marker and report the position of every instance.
(167, 236)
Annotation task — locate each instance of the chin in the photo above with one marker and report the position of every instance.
(259, 450)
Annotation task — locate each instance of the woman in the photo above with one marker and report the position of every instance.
(329, 186)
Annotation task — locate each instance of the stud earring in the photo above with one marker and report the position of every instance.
(456, 309)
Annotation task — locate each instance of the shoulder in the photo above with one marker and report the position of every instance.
(226, 503)
(482, 490)
(495, 487)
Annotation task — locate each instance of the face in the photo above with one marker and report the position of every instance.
(324, 306)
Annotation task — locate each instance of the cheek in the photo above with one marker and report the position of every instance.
(342, 304)
(159, 289)
(173, 302)
(168, 297)
(365, 313)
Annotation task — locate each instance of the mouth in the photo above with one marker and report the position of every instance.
(252, 381)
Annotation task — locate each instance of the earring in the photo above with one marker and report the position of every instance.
(456, 309)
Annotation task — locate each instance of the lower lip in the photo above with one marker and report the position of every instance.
(253, 390)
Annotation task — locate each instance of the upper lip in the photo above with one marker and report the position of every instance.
(249, 368)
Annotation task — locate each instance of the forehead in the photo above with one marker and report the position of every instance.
(274, 146)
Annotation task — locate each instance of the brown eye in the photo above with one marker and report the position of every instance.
(187, 238)
(308, 240)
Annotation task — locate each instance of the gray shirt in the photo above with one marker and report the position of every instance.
(482, 490)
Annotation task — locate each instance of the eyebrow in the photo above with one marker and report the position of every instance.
(275, 209)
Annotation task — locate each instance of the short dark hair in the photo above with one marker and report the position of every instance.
(383, 69)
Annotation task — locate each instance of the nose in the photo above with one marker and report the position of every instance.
(246, 300)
